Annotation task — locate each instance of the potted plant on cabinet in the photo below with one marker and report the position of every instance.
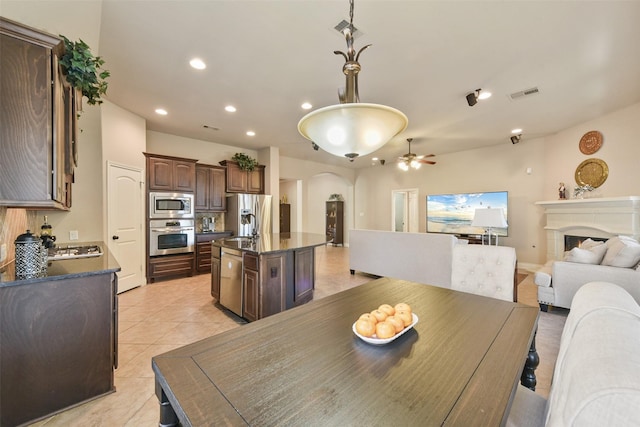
(84, 71)
(245, 162)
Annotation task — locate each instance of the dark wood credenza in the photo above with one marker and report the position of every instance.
(58, 339)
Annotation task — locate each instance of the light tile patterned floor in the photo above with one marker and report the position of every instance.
(165, 315)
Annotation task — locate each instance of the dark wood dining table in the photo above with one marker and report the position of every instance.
(459, 365)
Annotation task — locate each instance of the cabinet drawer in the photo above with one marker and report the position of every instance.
(250, 262)
(171, 266)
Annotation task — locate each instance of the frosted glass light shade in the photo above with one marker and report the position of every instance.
(489, 218)
(353, 128)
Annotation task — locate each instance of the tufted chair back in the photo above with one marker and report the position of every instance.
(484, 270)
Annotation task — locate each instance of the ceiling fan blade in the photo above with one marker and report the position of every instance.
(427, 162)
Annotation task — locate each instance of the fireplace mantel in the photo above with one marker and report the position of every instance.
(597, 217)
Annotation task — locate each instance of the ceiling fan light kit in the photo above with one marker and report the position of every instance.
(352, 129)
(412, 160)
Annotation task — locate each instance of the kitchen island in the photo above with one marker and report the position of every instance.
(59, 337)
(258, 277)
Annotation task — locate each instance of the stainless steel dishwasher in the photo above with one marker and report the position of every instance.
(231, 291)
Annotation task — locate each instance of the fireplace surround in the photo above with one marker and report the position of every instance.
(598, 217)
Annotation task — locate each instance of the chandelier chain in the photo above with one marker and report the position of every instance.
(351, 14)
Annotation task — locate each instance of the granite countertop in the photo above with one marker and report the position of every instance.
(66, 268)
(269, 243)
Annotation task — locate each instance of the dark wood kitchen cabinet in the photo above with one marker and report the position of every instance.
(203, 250)
(165, 266)
(173, 174)
(59, 345)
(215, 272)
(251, 285)
(241, 181)
(285, 218)
(210, 189)
(38, 120)
(335, 221)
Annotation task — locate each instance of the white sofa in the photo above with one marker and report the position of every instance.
(418, 257)
(596, 380)
(615, 261)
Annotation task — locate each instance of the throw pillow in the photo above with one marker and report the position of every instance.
(592, 255)
(622, 252)
(589, 243)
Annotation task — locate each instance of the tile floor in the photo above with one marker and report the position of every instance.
(159, 317)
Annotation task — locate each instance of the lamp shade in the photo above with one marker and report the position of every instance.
(352, 129)
(489, 218)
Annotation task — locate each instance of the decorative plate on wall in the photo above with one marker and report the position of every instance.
(593, 172)
(590, 142)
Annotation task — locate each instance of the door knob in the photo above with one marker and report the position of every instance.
(115, 237)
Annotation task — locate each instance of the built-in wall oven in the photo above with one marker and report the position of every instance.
(170, 205)
(171, 236)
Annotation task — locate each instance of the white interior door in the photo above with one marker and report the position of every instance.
(404, 215)
(125, 208)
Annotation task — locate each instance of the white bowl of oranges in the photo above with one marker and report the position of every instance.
(385, 323)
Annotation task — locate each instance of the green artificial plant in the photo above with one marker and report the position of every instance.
(84, 71)
(245, 162)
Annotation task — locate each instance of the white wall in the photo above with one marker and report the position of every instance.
(620, 150)
(85, 215)
(497, 168)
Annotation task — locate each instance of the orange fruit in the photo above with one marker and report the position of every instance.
(386, 308)
(369, 316)
(385, 330)
(403, 306)
(365, 327)
(380, 315)
(406, 317)
(397, 322)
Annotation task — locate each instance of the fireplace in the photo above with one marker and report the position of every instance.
(571, 241)
(600, 218)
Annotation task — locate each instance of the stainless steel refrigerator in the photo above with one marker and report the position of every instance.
(248, 214)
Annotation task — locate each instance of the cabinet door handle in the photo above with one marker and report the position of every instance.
(115, 237)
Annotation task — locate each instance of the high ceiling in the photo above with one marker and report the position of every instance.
(268, 57)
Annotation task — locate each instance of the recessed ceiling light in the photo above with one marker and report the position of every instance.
(306, 106)
(230, 108)
(514, 131)
(484, 95)
(251, 133)
(375, 159)
(161, 111)
(198, 64)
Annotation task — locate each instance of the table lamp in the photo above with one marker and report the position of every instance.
(488, 219)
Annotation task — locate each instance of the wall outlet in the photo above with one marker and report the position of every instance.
(3, 252)
(73, 234)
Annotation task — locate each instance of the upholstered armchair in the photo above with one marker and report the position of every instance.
(485, 270)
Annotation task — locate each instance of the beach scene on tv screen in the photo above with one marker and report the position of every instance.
(453, 213)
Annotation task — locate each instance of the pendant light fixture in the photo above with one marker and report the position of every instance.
(351, 128)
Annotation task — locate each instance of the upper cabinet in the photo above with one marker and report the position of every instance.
(166, 173)
(37, 120)
(210, 189)
(241, 181)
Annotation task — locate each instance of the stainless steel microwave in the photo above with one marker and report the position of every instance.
(170, 205)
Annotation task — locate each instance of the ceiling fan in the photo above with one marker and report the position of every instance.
(413, 160)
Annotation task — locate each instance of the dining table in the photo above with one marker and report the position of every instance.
(459, 365)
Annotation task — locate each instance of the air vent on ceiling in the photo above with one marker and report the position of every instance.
(524, 93)
(344, 24)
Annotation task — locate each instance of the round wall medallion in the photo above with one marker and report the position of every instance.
(593, 172)
(590, 142)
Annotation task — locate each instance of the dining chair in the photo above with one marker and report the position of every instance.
(485, 270)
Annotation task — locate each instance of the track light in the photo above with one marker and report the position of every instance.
(473, 97)
(516, 138)
(315, 146)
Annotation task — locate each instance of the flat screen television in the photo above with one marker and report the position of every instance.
(453, 213)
